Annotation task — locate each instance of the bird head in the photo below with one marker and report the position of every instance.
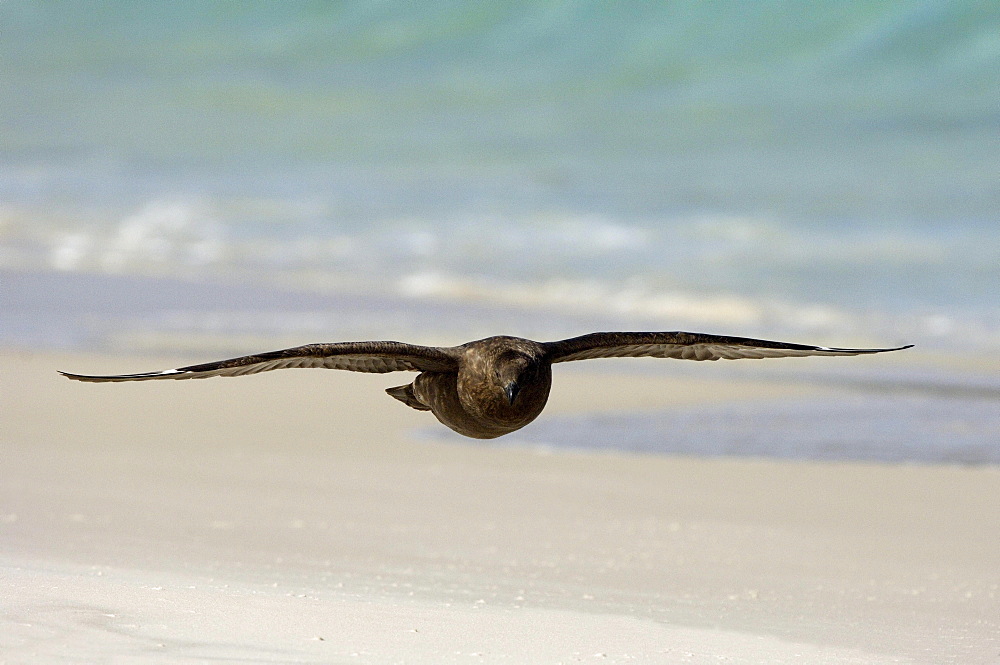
(513, 372)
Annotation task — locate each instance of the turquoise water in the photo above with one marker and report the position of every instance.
(763, 156)
(215, 176)
(818, 169)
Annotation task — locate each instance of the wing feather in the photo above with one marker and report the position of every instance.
(373, 357)
(687, 346)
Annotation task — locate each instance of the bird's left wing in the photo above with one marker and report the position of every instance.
(686, 346)
(377, 357)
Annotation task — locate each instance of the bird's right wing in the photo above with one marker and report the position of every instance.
(377, 357)
(686, 346)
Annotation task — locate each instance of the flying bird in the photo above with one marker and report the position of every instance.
(493, 386)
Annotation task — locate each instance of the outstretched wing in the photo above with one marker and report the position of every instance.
(377, 357)
(686, 346)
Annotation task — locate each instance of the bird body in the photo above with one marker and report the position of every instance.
(502, 385)
(493, 386)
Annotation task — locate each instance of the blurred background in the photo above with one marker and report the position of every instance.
(824, 171)
(222, 177)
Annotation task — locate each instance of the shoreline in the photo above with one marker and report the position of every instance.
(249, 518)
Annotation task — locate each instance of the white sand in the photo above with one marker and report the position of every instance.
(288, 518)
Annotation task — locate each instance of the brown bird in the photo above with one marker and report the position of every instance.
(493, 386)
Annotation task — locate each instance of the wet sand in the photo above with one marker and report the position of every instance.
(292, 518)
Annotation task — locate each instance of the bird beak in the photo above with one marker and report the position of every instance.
(511, 390)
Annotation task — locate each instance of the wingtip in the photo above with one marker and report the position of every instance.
(866, 351)
(76, 377)
(165, 374)
(895, 348)
(899, 348)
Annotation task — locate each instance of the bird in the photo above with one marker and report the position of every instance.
(494, 386)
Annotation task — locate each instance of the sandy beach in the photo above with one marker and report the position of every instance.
(190, 181)
(293, 518)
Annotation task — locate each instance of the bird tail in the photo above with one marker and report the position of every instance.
(405, 395)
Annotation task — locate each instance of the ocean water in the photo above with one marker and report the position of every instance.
(932, 422)
(216, 175)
